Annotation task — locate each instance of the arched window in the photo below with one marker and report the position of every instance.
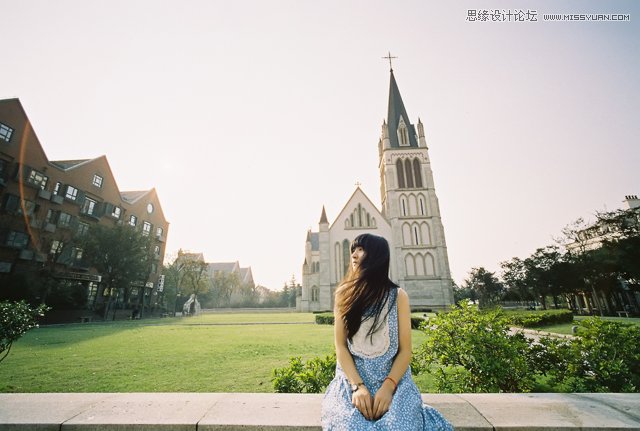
(403, 206)
(337, 263)
(416, 173)
(413, 206)
(315, 294)
(346, 253)
(410, 265)
(416, 235)
(400, 169)
(426, 233)
(406, 234)
(430, 266)
(403, 134)
(420, 265)
(422, 206)
(407, 168)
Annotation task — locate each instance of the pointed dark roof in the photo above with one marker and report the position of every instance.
(323, 217)
(395, 112)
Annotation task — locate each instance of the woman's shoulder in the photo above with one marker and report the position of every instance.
(402, 293)
(403, 297)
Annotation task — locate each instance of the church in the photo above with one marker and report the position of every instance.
(409, 218)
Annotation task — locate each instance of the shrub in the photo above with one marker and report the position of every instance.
(473, 351)
(16, 318)
(311, 377)
(605, 357)
(324, 319)
(533, 319)
(416, 322)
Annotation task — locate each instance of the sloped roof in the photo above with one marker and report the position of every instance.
(133, 196)
(396, 111)
(314, 237)
(224, 266)
(358, 191)
(69, 164)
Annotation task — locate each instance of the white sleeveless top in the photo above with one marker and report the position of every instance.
(376, 344)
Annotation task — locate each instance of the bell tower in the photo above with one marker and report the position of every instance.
(410, 205)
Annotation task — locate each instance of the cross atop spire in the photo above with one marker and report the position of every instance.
(389, 57)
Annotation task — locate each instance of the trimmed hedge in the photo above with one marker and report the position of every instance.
(533, 319)
(328, 319)
(324, 319)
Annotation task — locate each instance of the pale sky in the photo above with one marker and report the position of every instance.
(248, 116)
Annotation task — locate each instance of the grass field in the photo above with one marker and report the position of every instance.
(565, 328)
(208, 353)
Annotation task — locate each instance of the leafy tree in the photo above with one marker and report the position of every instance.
(224, 284)
(16, 318)
(122, 255)
(194, 276)
(514, 276)
(462, 293)
(540, 273)
(473, 351)
(487, 287)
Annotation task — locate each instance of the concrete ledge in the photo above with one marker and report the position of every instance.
(272, 412)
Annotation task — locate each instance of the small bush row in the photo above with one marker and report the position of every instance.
(312, 376)
(534, 319)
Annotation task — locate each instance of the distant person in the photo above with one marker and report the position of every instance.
(372, 388)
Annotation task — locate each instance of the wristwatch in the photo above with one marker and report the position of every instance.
(355, 386)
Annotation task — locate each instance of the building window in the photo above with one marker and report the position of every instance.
(83, 228)
(37, 179)
(116, 212)
(146, 228)
(159, 232)
(56, 247)
(17, 239)
(11, 203)
(315, 294)
(97, 180)
(76, 253)
(409, 173)
(346, 256)
(149, 208)
(88, 206)
(133, 220)
(64, 220)
(27, 207)
(417, 174)
(72, 193)
(56, 189)
(403, 134)
(156, 251)
(400, 169)
(154, 268)
(5, 132)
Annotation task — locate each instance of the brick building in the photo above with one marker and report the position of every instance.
(45, 205)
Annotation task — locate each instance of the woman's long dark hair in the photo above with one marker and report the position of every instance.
(364, 291)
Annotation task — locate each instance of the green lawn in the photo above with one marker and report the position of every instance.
(565, 328)
(209, 353)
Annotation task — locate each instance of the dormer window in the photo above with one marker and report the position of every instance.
(403, 134)
(97, 180)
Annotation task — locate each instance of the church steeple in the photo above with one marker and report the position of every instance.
(401, 132)
(323, 217)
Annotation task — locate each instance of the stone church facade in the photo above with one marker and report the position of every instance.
(409, 219)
